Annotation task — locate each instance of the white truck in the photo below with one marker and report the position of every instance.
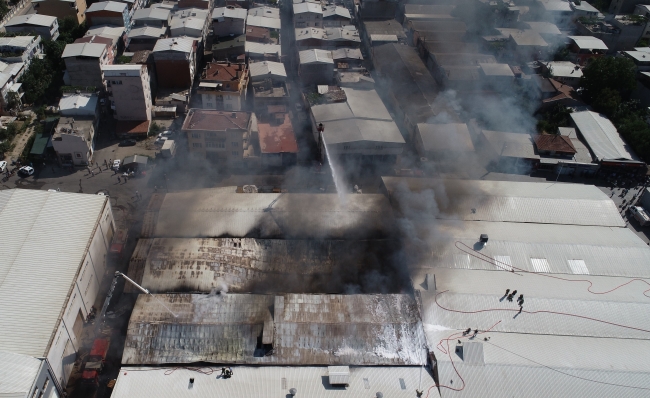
(640, 215)
(168, 149)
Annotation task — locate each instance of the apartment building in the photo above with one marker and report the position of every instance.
(223, 86)
(129, 91)
(108, 13)
(19, 48)
(307, 15)
(175, 60)
(84, 61)
(227, 21)
(43, 25)
(62, 8)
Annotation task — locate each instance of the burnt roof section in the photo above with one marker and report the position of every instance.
(141, 57)
(277, 137)
(210, 120)
(379, 329)
(555, 143)
(387, 27)
(218, 214)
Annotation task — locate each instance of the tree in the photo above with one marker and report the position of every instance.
(607, 101)
(617, 74)
(36, 80)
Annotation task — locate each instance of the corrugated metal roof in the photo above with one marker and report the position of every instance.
(601, 136)
(306, 329)
(262, 48)
(210, 213)
(32, 19)
(267, 68)
(80, 103)
(112, 32)
(264, 22)
(155, 13)
(181, 44)
(27, 220)
(589, 42)
(196, 24)
(445, 137)
(510, 201)
(18, 374)
(272, 382)
(220, 13)
(114, 6)
(147, 32)
(264, 11)
(244, 265)
(527, 245)
(18, 41)
(93, 50)
(307, 7)
(315, 56)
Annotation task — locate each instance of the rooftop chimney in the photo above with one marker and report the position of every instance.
(191, 385)
(234, 115)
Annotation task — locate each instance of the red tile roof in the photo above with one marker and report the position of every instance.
(223, 72)
(277, 138)
(554, 142)
(205, 119)
(132, 127)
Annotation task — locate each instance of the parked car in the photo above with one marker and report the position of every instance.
(640, 215)
(166, 133)
(116, 164)
(26, 171)
(129, 142)
(160, 141)
(3, 166)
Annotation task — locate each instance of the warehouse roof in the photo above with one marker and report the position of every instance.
(445, 137)
(114, 6)
(31, 19)
(211, 213)
(244, 264)
(516, 145)
(272, 382)
(372, 329)
(361, 104)
(510, 201)
(18, 374)
(27, 219)
(537, 248)
(601, 136)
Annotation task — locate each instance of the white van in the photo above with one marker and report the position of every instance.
(640, 215)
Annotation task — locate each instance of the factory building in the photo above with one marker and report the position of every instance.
(52, 262)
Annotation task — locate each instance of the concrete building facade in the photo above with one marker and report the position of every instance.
(62, 8)
(43, 25)
(129, 91)
(227, 21)
(84, 61)
(108, 13)
(74, 140)
(223, 86)
(175, 60)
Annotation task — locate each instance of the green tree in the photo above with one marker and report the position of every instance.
(617, 74)
(36, 80)
(4, 8)
(607, 102)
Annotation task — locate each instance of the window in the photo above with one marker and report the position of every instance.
(235, 153)
(346, 147)
(211, 134)
(88, 285)
(197, 145)
(196, 135)
(78, 155)
(235, 144)
(578, 267)
(215, 145)
(540, 264)
(47, 382)
(379, 147)
(503, 263)
(36, 389)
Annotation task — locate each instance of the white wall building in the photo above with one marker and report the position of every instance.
(52, 262)
(20, 48)
(129, 90)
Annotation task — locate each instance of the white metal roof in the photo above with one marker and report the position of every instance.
(80, 104)
(589, 42)
(302, 8)
(601, 136)
(18, 41)
(18, 374)
(122, 69)
(267, 68)
(315, 55)
(147, 31)
(229, 12)
(510, 201)
(263, 22)
(190, 23)
(270, 12)
(272, 382)
(262, 48)
(336, 11)
(354, 130)
(347, 53)
(153, 13)
(445, 137)
(93, 50)
(37, 268)
(501, 70)
(181, 44)
(107, 6)
(32, 19)
(639, 56)
(112, 32)
(564, 69)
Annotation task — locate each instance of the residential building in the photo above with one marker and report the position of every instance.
(273, 24)
(191, 22)
(345, 58)
(358, 130)
(264, 70)
(270, 98)
(227, 21)
(644, 10)
(618, 7)
(564, 72)
(336, 16)
(307, 15)
(584, 48)
(133, 5)
(108, 42)
(630, 29)
(79, 105)
(219, 136)
(152, 16)
(84, 61)
(62, 8)
(462, 71)
(43, 25)
(328, 38)
(228, 48)
(145, 37)
(449, 141)
(264, 11)
(263, 52)
(20, 48)
(175, 60)
(511, 152)
(316, 67)
(223, 86)
(47, 323)
(108, 13)
(73, 140)
(115, 33)
(202, 4)
(554, 145)
(276, 141)
(129, 91)
(554, 93)
(9, 86)
(437, 12)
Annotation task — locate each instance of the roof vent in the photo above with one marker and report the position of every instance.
(471, 352)
(379, 395)
(191, 385)
(483, 239)
(234, 114)
(293, 392)
(339, 375)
